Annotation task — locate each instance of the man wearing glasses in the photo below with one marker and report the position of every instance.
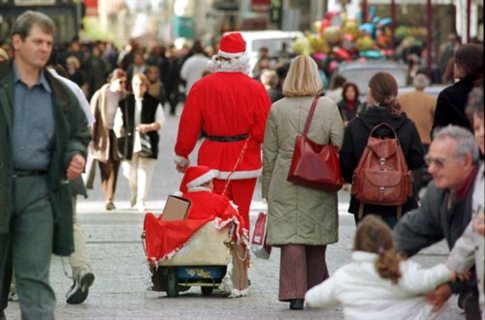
(446, 208)
(104, 149)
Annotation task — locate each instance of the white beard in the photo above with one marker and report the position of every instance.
(239, 64)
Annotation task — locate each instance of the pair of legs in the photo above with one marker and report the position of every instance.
(139, 172)
(109, 176)
(109, 171)
(27, 248)
(301, 268)
(240, 192)
(79, 261)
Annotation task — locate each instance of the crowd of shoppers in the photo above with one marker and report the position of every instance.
(235, 115)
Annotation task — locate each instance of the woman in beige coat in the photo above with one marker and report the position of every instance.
(301, 221)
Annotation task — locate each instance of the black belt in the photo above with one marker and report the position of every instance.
(29, 173)
(228, 138)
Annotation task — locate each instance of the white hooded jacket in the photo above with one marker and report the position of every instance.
(365, 295)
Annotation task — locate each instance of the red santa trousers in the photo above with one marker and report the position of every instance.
(240, 192)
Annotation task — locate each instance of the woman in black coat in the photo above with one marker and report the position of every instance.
(450, 106)
(350, 103)
(383, 106)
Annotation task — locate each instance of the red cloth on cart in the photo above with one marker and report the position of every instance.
(165, 238)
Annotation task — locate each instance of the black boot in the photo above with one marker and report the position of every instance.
(296, 304)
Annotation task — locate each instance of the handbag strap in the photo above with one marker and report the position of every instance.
(310, 116)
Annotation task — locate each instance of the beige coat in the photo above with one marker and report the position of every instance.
(419, 107)
(296, 214)
(100, 144)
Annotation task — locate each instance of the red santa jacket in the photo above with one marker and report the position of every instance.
(225, 104)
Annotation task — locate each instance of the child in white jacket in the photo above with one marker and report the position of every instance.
(378, 283)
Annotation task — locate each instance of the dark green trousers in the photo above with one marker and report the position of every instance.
(28, 249)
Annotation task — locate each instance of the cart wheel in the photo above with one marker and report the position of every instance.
(206, 291)
(172, 287)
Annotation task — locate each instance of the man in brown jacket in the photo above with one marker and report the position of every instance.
(419, 107)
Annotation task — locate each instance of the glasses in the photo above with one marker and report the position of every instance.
(439, 162)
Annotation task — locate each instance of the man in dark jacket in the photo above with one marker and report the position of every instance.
(445, 209)
(43, 146)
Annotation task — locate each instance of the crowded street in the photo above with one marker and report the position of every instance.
(122, 277)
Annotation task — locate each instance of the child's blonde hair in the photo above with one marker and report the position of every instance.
(373, 235)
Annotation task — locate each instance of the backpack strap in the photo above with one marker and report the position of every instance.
(384, 124)
(310, 116)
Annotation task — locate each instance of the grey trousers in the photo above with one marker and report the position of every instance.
(301, 268)
(28, 249)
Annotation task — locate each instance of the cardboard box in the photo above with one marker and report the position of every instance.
(176, 208)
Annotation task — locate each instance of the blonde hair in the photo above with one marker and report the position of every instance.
(302, 78)
(143, 78)
(374, 235)
(74, 61)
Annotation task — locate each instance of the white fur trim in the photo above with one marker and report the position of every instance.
(229, 54)
(203, 179)
(239, 175)
(236, 64)
(198, 189)
(181, 160)
(177, 193)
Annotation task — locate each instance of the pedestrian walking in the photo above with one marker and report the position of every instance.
(138, 121)
(446, 208)
(379, 283)
(231, 108)
(349, 105)
(336, 88)
(82, 274)
(270, 81)
(104, 148)
(46, 148)
(194, 66)
(469, 249)
(301, 221)
(468, 69)
(383, 107)
(420, 107)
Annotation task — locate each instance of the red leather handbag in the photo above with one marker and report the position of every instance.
(315, 165)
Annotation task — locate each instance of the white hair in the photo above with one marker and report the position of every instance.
(465, 142)
(222, 64)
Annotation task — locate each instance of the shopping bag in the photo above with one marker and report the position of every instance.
(258, 241)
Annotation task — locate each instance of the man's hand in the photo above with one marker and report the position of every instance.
(439, 296)
(76, 167)
(181, 164)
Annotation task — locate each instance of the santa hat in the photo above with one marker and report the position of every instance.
(232, 45)
(196, 176)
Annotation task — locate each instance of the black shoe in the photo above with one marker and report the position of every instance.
(296, 304)
(80, 288)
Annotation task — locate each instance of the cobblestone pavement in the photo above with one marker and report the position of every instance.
(122, 278)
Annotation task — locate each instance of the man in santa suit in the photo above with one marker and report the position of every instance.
(231, 108)
(197, 186)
